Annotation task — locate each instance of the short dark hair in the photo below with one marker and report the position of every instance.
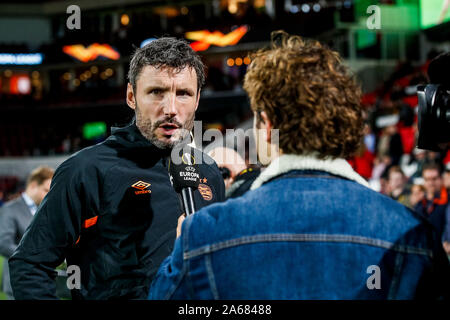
(432, 166)
(166, 52)
(40, 175)
(395, 169)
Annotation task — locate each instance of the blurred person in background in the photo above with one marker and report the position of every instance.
(406, 128)
(408, 163)
(397, 185)
(390, 144)
(416, 163)
(310, 227)
(417, 194)
(383, 142)
(237, 175)
(364, 159)
(420, 159)
(378, 180)
(2, 195)
(112, 210)
(446, 236)
(369, 139)
(433, 206)
(17, 214)
(230, 160)
(446, 176)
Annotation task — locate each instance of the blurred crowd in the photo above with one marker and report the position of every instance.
(389, 158)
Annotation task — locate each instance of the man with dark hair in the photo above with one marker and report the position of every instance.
(309, 228)
(112, 210)
(17, 214)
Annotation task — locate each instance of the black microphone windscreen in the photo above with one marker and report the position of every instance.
(184, 175)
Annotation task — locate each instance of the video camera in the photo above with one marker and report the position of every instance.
(434, 106)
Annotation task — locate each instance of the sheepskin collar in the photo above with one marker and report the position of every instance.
(289, 162)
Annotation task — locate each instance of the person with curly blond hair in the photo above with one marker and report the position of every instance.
(309, 228)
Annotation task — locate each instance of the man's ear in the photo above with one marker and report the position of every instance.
(267, 125)
(198, 99)
(131, 102)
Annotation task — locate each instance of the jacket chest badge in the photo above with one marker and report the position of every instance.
(205, 190)
(142, 187)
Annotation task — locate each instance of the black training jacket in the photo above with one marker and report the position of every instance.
(111, 211)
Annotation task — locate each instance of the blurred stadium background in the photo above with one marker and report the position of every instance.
(61, 90)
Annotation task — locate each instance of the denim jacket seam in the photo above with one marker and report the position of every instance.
(306, 238)
(187, 226)
(184, 269)
(189, 284)
(177, 283)
(211, 278)
(393, 289)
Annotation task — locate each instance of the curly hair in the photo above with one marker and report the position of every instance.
(166, 51)
(308, 94)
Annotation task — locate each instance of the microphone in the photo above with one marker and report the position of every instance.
(185, 179)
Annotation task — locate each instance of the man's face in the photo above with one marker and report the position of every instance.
(37, 192)
(417, 194)
(391, 130)
(396, 180)
(165, 102)
(432, 180)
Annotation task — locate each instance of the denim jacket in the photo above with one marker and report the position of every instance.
(309, 229)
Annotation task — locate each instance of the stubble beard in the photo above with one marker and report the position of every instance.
(148, 128)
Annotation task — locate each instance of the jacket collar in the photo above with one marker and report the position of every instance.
(30, 203)
(130, 134)
(289, 162)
